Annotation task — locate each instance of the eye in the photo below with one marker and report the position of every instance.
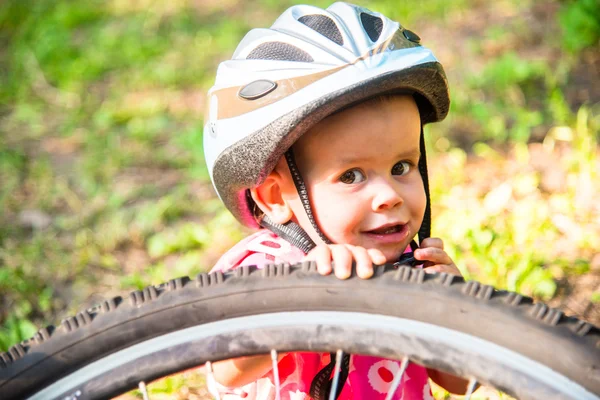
(352, 176)
(401, 168)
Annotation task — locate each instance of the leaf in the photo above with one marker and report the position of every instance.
(497, 200)
(14, 331)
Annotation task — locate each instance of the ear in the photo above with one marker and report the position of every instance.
(269, 198)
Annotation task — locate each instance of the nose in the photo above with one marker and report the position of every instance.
(385, 195)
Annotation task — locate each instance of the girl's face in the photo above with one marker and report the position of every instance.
(360, 169)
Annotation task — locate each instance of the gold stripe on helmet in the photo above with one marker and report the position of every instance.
(231, 105)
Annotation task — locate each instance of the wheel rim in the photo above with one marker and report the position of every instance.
(320, 331)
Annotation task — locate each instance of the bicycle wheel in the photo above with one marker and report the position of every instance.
(499, 338)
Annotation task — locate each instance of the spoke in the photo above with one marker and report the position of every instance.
(397, 379)
(336, 376)
(276, 374)
(142, 386)
(212, 383)
(470, 388)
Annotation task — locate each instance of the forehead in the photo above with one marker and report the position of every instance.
(376, 129)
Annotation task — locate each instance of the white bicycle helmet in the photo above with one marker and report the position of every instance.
(311, 63)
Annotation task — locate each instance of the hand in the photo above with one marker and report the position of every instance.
(436, 259)
(342, 256)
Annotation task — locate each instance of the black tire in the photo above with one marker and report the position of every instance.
(476, 313)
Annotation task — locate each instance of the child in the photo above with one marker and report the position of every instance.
(314, 132)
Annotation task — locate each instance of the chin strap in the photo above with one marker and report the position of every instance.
(303, 193)
(291, 232)
(425, 229)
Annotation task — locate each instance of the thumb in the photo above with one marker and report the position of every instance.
(432, 269)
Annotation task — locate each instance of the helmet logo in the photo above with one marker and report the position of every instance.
(410, 35)
(257, 89)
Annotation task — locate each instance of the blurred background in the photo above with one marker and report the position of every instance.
(103, 187)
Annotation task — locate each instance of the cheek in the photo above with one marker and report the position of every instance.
(338, 215)
(416, 199)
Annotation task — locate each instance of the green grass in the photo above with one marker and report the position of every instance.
(103, 183)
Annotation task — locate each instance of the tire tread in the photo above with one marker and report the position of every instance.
(153, 297)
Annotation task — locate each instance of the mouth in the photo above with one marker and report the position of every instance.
(387, 229)
(389, 234)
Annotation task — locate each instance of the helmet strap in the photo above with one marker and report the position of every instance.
(303, 193)
(425, 229)
(291, 232)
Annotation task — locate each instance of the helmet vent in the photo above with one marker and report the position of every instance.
(373, 25)
(324, 25)
(279, 51)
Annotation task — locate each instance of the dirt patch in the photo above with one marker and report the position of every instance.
(575, 295)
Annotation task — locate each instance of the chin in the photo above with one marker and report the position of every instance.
(392, 252)
(393, 256)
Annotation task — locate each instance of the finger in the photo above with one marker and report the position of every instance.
(364, 265)
(433, 254)
(435, 269)
(342, 260)
(377, 256)
(432, 242)
(322, 256)
(439, 268)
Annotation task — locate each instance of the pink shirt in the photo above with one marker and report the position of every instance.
(368, 378)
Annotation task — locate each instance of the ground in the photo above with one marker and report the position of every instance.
(104, 190)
